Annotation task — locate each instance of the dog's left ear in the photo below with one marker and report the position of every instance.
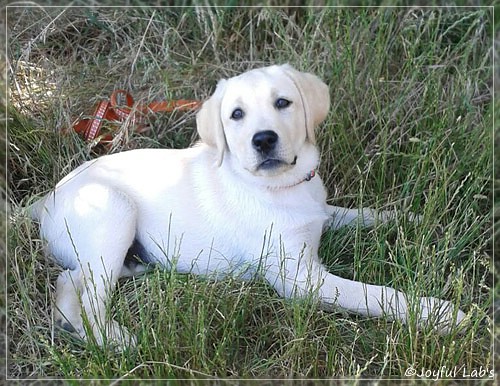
(209, 123)
(315, 98)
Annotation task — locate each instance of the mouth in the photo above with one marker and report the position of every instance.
(273, 163)
(270, 163)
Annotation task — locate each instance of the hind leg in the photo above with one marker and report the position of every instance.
(69, 287)
(77, 292)
(99, 280)
(99, 227)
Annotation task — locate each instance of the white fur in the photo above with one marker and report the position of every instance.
(213, 209)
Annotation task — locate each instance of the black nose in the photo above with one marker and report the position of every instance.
(265, 141)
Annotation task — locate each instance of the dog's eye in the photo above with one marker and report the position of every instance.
(282, 103)
(237, 114)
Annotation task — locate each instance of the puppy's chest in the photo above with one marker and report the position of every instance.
(251, 218)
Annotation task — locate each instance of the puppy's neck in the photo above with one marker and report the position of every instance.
(308, 177)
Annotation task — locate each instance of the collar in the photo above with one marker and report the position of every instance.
(308, 177)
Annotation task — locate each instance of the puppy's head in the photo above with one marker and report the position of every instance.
(265, 119)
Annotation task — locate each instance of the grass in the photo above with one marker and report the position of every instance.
(410, 128)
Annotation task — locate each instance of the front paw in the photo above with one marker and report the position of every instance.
(441, 315)
(415, 218)
(385, 216)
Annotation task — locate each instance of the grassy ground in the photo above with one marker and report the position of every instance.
(410, 128)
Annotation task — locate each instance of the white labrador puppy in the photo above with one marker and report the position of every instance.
(243, 201)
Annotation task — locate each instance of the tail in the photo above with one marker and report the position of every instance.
(36, 209)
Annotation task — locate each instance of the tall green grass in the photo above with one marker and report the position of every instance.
(410, 128)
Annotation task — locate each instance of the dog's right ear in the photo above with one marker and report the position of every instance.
(209, 123)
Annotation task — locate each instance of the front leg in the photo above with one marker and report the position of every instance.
(368, 299)
(366, 217)
(373, 300)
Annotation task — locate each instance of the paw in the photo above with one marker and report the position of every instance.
(67, 326)
(386, 216)
(115, 335)
(415, 218)
(441, 315)
(112, 334)
(74, 327)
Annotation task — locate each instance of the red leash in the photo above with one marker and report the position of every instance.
(121, 107)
